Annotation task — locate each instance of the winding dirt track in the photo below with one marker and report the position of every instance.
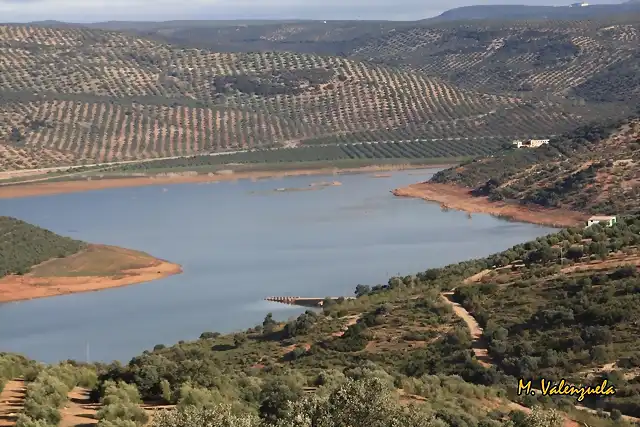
(478, 345)
(482, 354)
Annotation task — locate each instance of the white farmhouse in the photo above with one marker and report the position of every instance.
(607, 220)
(530, 143)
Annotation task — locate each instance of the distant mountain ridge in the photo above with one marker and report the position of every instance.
(463, 13)
(493, 12)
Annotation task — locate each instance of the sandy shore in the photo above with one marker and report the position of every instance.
(47, 188)
(459, 198)
(31, 286)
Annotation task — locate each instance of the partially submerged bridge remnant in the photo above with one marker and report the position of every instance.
(303, 301)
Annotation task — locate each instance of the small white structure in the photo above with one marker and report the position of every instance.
(608, 220)
(530, 143)
(583, 4)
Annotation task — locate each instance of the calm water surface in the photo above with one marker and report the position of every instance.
(238, 243)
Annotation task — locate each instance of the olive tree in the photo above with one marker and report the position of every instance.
(193, 416)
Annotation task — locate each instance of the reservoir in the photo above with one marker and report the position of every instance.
(238, 242)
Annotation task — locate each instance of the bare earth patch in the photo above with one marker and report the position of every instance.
(96, 268)
(81, 412)
(46, 188)
(11, 401)
(607, 264)
(454, 197)
(476, 277)
(351, 320)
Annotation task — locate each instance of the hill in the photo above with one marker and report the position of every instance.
(452, 340)
(592, 58)
(592, 170)
(410, 330)
(35, 263)
(505, 11)
(449, 343)
(74, 95)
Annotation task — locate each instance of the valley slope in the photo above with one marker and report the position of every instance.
(76, 95)
(594, 58)
(592, 170)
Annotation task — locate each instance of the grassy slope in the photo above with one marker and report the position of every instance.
(593, 169)
(103, 96)
(95, 260)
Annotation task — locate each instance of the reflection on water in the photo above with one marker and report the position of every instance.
(236, 249)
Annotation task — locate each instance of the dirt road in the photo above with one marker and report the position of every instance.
(482, 354)
(478, 345)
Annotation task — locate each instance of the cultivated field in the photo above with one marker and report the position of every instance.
(77, 95)
(595, 59)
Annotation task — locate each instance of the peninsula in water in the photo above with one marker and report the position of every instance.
(37, 263)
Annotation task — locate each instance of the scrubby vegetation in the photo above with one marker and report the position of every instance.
(560, 318)
(74, 95)
(23, 246)
(592, 169)
(558, 306)
(563, 305)
(12, 366)
(48, 392)
(121, 406)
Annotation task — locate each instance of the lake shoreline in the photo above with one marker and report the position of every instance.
(31, 286)
(460, 198)
(74, 186)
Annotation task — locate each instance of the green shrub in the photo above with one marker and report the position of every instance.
(13, 365)
(199, 397)
(86, 377)
(191, 416)
(121, 410)
(31, 373)
(167, 394)
(120, 391)
(25, 421)
(48, 390)
(42, 412)
(117, 423)
(120, 406)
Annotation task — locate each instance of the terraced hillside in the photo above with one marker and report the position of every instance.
(593, 169)
(73, 95)
(593, 59)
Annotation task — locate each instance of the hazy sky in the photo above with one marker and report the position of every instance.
(162, 10)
